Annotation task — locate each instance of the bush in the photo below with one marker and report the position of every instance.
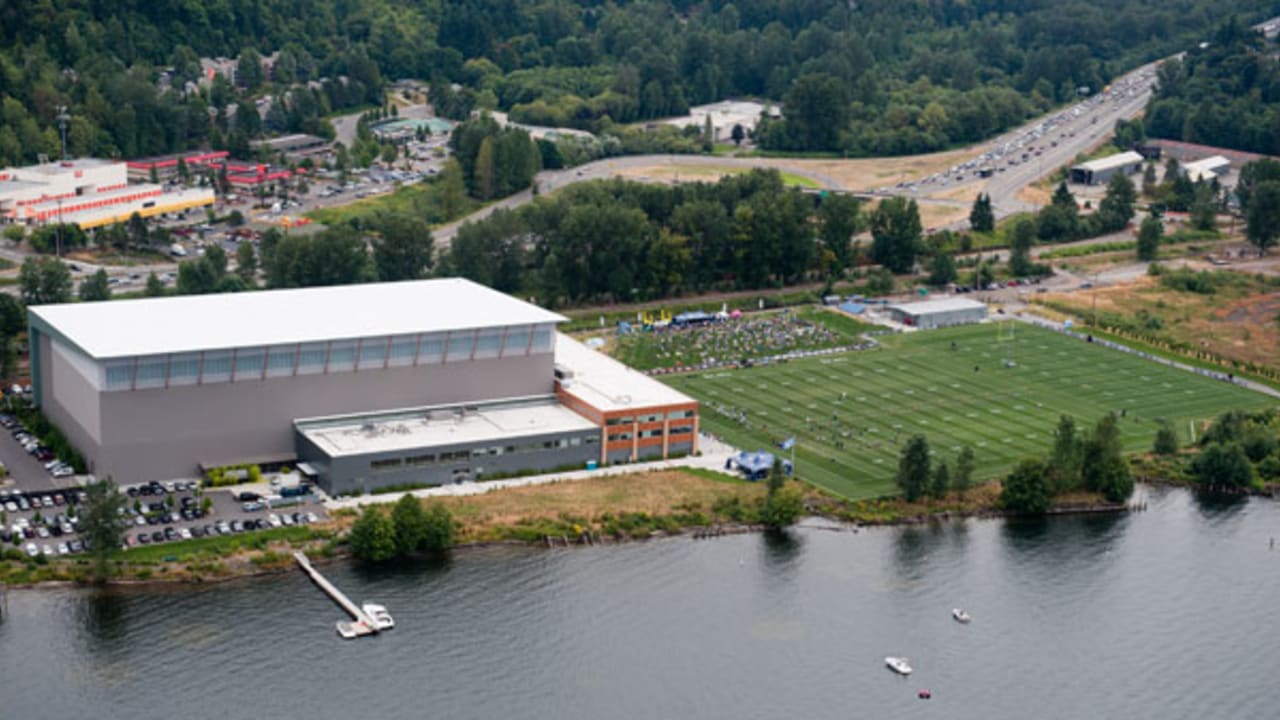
(1222, 465)
(1026, 489)
(373, 537)
(1166, 442)
(782, 508)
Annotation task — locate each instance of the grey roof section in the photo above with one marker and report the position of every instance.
(936, 306)
(420, 428)
(153, 326)
(1111, 161)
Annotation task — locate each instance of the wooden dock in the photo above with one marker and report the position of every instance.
(363, 625)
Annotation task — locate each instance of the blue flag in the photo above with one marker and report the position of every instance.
(789, 443)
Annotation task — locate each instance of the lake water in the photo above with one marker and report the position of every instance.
(1166, 613)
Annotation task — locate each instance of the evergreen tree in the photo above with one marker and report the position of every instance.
(963, 477)
(100, 524)
(1204, 210)
(246, 263)
(154, 286)
(1102, 465)
(913, 468)
(1066, 456)
(96, 287)
(941, 481)
(1149, 235)
(1024, 237)
(1166, 442)
(982, 218)
(1117, 206)
(1262, 219)
(895, 232)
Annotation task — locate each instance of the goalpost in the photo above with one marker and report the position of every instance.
(1005, 338)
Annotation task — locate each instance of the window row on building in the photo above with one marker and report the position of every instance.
(654, 433)
(650, 418)
(397, 463)
(335, 356)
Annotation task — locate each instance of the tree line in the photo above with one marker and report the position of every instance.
(619, 240)
(1223, 92)
(859, 78)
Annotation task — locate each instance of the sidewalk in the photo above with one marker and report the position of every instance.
(713, 457)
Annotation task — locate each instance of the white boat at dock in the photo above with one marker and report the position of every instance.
(378, 613)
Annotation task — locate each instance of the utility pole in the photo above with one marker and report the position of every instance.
(63, 117)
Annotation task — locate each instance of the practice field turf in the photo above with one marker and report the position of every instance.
(917, 383)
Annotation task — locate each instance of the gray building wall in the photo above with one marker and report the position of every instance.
(355, 473)
(157, 434)
(74, 409)
(952, 317)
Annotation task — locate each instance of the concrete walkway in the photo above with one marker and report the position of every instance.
(713, 457)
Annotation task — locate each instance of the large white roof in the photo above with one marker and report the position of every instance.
(1112, 161)
(122, 328)
(926, 307)
(608, 384)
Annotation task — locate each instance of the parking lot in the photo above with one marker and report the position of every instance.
(39, 497)
(46, 521)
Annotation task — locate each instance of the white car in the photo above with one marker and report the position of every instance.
(274, 519)
(184, 533)
(32, 550)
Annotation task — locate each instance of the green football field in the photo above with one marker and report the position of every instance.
(851, 413)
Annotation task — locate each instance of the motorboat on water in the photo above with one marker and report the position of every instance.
(379, 615)
(899, 665)
(960, 615)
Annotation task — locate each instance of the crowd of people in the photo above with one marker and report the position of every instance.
(735, 340)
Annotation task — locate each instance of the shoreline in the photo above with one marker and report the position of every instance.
(324, 555)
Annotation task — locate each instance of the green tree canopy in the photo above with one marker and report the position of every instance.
(913, 468)
(100, 522)
(981, 217)
(1222, 466)
(1102, 465)
(1149, 235)
(895, 232)
(373, 536)
(1025, 489)
(96, 287)
(410, 524)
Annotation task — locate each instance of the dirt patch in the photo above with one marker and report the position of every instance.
(652, 493)
(1035, 195)
(1238, 324)
(936, 215)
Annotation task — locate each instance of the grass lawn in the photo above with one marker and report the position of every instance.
(422, 199)
(917, 384)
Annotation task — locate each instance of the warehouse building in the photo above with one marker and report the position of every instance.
(367, 385)
(1100, 171)
(931, 314)
(1206, 169)
(86, 192)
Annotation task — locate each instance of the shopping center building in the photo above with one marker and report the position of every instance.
(363, 386)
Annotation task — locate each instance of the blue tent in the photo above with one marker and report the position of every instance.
(756, 465)
(853, 308)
